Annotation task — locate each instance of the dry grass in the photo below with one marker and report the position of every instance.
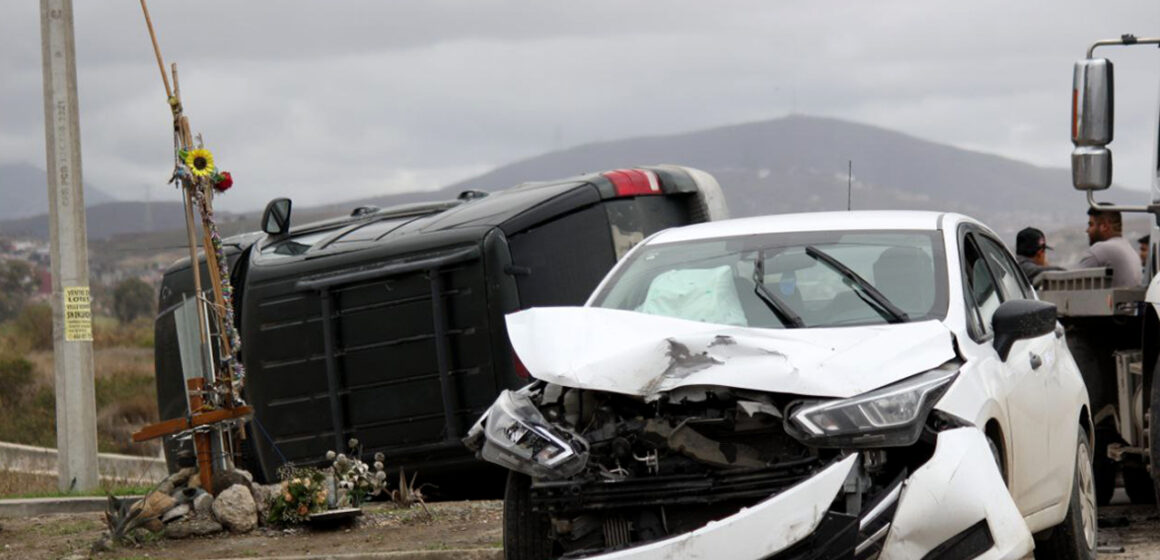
(124, 384)
(23, 485)
(18, 484)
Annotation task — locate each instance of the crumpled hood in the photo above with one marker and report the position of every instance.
(638, 354)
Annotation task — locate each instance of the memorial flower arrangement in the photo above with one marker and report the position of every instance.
(355, 480)
(304, 491)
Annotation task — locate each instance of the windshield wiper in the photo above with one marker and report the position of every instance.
(774, 303)
(879, 302)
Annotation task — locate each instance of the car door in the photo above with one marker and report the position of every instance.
(1042, 444)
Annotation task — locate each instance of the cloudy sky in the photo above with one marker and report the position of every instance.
(325, 101)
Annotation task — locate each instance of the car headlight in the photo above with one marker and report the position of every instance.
(892, 416)
(518, 437)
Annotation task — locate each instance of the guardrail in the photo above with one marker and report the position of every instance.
(113, 467)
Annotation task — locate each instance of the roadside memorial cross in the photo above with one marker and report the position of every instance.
(215, 402)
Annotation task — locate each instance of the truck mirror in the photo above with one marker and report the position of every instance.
(1092, 103)
(276, 218)
(1091, 168)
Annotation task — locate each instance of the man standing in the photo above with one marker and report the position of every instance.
(1110, 249)
(1031, 252)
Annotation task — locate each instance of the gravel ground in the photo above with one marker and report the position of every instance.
(1129, 532)
(452, 525)
(1126, 533)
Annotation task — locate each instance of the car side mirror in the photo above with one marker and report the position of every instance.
(1020, 319)
(276, 218)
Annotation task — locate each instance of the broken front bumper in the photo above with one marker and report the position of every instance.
(957, 501)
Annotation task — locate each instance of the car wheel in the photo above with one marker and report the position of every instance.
(526, 534)
(1153, 431)
(1075, 537)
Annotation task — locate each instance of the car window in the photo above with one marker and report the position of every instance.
(1010, 280)
(716, 280)
(980, 286)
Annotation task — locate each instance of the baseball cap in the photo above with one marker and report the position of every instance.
(1029, 241)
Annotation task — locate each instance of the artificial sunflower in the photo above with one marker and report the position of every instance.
(200, 162)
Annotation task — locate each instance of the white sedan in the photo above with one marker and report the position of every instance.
(830, 385)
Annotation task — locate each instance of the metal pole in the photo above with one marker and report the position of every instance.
(76, 434)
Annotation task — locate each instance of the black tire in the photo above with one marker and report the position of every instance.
(1105, 468)
(1154, 429)
(1138, 485)
(526, 535)
(1075, 537)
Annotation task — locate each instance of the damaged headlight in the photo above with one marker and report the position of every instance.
(892, 416)
(518, 437)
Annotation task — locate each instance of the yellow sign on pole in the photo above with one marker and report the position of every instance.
(78, 314)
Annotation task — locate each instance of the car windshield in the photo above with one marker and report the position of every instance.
(786, 280)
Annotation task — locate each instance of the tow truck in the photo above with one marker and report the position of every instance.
(1113, 333)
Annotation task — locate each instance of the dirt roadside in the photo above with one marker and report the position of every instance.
(1129, 532)
(454, 525)
(1126, 533)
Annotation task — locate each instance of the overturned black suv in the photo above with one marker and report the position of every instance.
(388, 325)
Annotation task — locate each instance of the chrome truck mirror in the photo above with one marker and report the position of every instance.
(1092, 117)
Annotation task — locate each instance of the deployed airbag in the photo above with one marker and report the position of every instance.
(697, 294)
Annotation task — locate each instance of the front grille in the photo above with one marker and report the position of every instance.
(686, 489)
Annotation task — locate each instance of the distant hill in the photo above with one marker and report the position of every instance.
(799, 164)
(790, 164)
(24, 192)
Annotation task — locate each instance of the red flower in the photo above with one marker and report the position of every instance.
(223, 181)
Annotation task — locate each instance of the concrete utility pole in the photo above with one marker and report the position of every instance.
(72, 333)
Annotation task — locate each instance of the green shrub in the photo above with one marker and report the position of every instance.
(34, 326)
(132, 298)
(123, 386)
(34, 421)
(108, 333)
(16, 379)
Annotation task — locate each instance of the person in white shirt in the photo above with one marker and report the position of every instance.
(1110, 249)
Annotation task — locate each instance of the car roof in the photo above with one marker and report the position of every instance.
(810, 221)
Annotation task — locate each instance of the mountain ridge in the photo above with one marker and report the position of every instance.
(793, 164)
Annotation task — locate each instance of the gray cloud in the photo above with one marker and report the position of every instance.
(330, 100)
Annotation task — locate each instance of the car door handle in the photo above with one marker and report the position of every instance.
(1036, 361)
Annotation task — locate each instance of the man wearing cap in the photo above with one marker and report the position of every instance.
(1031, 251)
(1109, 249)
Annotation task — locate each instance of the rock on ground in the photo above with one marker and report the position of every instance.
(203, 504)
(176, 513)
(263, 497)
(155, 504)
(234, 508)
(176, 480)
(192, 527)
(225, 479)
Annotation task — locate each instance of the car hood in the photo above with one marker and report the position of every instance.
(647, 355)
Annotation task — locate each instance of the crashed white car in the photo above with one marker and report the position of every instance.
(833, 385)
